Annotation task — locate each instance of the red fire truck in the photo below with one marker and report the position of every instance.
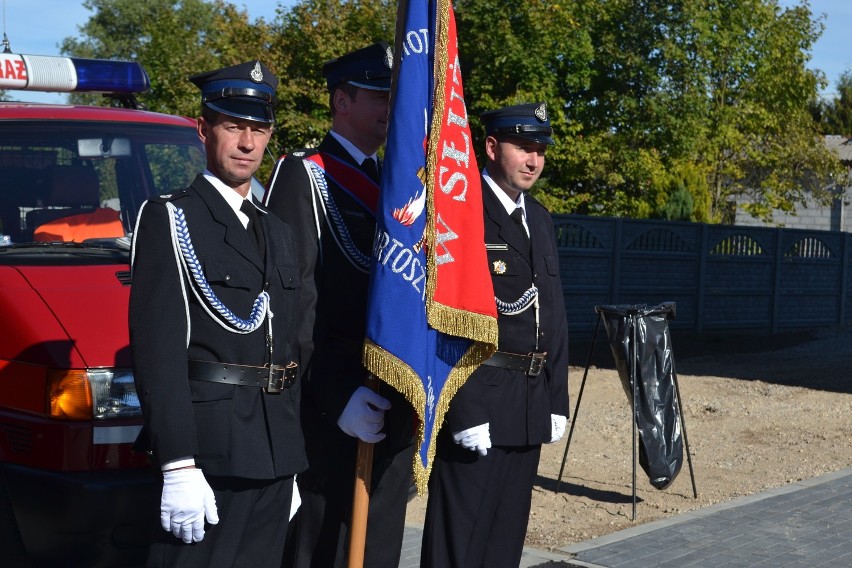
(73, 492)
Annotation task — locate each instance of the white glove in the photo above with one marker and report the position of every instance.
(296, 500)
(187, 500)
(364, 415)
(476, 439)
(557, 427)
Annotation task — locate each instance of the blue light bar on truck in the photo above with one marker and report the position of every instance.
(69, 74)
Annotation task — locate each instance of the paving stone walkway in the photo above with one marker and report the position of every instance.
(804, 524)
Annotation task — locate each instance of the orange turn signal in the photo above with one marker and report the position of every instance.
(69, 395)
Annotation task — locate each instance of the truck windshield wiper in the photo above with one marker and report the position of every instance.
(120, 243)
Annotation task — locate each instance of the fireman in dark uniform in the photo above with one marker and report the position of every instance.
(328, 195)
(213, 312)
(480, 488)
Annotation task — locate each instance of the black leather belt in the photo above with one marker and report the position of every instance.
(531, 363)
(272, 379)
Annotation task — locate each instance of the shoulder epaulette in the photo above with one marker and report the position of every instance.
(300, 154)
(167, 197)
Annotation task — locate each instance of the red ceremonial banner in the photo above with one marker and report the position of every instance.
(457, 198)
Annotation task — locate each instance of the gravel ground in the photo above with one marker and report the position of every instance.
(760, 411)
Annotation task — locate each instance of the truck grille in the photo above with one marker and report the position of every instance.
(123, 277)
(18, 438)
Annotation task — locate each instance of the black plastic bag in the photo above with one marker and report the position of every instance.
(660, 443)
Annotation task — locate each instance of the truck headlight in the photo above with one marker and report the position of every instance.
(84, 394)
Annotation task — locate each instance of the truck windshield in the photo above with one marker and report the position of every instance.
(73, 181)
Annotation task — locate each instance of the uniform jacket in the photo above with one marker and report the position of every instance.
(518, 407)
(335, 294)
(229, 430)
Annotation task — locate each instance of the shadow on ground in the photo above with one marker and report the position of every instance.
(575, 490)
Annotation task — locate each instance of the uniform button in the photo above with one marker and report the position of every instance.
(227, 277)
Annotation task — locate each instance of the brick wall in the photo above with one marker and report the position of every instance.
(837, 217)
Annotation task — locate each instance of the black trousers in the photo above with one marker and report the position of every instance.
(253, 519)
(319, 535)
(478, 506)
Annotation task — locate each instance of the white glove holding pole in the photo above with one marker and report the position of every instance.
(476, 439)
(187, 500)
(557, 427)
(364, 415)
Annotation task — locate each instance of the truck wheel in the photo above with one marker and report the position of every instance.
(14, 553)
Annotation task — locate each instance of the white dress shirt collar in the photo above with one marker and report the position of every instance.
(503, 197)
(356, 154)
(234, 199)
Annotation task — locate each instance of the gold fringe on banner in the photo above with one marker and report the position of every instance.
(394, 372)
(400, 376)
(461, 323)
(474, 356)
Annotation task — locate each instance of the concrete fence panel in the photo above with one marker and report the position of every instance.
(721, 277)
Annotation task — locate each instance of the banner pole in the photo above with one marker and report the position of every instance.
(361, 496)
(364, 455)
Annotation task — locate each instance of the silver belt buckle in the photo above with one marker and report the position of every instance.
(536, 363)
(274, 385)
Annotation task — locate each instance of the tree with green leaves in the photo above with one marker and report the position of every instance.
(309, 34)
(761, 141)
(649, 100)
(513, 53)
(835, 116)
(720, 85)
(173, 39)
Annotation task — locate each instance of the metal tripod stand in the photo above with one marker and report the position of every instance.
(632, 312)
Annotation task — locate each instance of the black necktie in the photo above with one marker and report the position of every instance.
(518, 217)
(254, 229)
(369, 167)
